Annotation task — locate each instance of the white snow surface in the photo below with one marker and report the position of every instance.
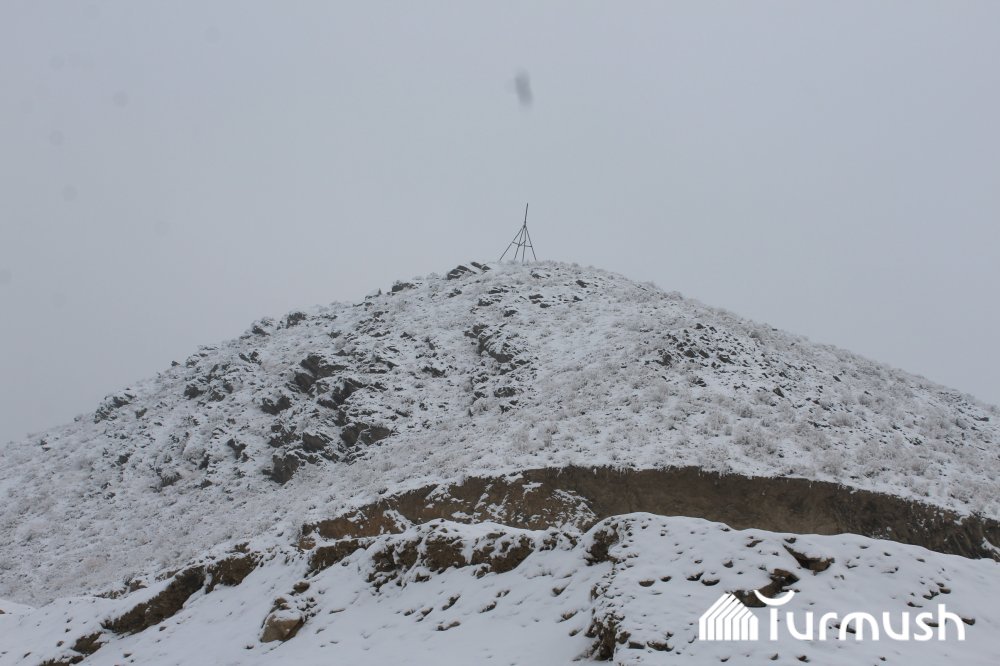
(493, 371)
(659, 576)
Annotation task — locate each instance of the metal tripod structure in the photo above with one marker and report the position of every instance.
(521, 242)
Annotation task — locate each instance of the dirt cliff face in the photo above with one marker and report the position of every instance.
(541, 498)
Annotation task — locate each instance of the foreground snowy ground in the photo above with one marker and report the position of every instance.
(482, 372)
(632, 589)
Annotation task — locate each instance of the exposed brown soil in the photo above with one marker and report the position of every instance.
(327, 555)
(230, 571)
(160, 607)
(541, 498)
(441, 548)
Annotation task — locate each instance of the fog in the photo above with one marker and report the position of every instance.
(170, 172)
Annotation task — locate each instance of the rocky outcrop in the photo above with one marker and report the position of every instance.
(281, 624)
(111, 404)
(540, 498)
(161, 606)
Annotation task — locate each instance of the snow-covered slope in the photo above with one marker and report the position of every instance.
(631, 589)
(477, 372)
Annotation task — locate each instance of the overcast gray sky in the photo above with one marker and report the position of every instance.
(171, 171)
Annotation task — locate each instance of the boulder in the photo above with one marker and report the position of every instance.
(281, 625)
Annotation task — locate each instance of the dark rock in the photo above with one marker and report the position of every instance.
(273, 406)
(339, 394)
(283, 468)
(491, 343)
(380, 365)
(320, 367)
(238, 449)
(253, 357)
(400, 286)
(814, 564)
(110, 404)
(363, 433)
(665, 359)
(282, 435)
(303, 381)
(374, 434)
(316, 367)
(315, 442)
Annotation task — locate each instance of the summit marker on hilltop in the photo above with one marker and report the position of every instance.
(521, 242)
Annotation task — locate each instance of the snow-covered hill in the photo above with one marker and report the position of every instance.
(631, 589)
(482, 371)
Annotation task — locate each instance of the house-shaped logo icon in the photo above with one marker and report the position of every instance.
(727, 620)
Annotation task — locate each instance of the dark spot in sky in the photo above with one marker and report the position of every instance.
(57, 138)
(212, 34)
(522, 86)
(120, 98)
(69, 193)
(161, 227)
(5, 277)
(57, 62)
(58, 299)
